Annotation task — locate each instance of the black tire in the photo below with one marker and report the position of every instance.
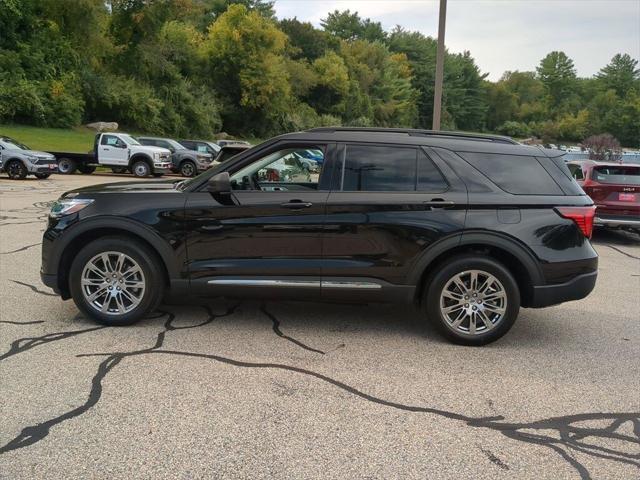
(119, 169)
(141, 168)
(42, 176)
(149, 264)
(16, 170)
(67, 166)
(188, 169)
(86, 169)
(440, 278)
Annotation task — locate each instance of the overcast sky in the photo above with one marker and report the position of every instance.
(504, 34)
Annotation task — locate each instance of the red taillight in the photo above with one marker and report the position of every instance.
(583, 216)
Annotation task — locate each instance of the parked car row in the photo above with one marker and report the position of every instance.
(123, 153)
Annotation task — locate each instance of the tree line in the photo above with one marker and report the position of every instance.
(196, 67)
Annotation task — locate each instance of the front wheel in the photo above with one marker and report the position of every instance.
(188, 169)
(116, 281)
(16, 170)
(141, 169)
(42, 176)
(472, 300)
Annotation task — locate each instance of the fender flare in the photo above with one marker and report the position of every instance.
(490, 239)
(140, 156)
(164, 250)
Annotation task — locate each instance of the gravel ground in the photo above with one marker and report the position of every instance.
(300, 390)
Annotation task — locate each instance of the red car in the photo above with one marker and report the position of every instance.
(614, 188)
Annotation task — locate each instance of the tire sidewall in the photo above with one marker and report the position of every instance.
(153, 277)
(437, 282)
(71, 166)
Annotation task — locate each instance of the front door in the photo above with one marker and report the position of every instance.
(267, 237)
(113, 151)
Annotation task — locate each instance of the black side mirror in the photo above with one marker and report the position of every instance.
(220, 184)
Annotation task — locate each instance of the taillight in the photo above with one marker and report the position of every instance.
(582, 216)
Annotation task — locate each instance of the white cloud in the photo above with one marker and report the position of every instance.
(504, 34)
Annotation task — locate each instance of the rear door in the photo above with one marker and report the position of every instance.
(387, 206)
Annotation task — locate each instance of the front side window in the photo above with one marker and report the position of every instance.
(110, 140)
(285, 169)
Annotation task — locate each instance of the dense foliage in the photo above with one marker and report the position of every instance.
(195, 67)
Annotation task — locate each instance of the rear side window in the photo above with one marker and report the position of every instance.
(379, 169)
(625, 175)
(517, 174)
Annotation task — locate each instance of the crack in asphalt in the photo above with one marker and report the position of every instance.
(21, 323)
(22, 345)
(21, 249)
(278, 332)
(494, 459)
(622, 251)
(34, 288)
(571, 438)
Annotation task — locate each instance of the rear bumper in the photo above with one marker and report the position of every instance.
(575, 289)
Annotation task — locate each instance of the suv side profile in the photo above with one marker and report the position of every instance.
(468, 227)
(187, 162)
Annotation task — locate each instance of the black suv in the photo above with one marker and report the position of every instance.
(469, 227)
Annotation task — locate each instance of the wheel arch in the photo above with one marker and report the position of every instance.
(91, 230)
(520, 261)
(141, 156)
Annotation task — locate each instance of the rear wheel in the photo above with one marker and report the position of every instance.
(86, 169)
(16, 170)
(42, 176)
(472, 300)
(116, 281)
(66, 166)
(188, 169)
(141, 168)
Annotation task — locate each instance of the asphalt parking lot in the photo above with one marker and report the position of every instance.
(297, 390)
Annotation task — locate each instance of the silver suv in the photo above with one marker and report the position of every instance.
(18, 160)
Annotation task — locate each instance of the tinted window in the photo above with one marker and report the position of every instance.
(576, 172)
(518, 174)
(379, 169)
(429, 177)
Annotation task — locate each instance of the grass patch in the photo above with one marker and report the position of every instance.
(78, 139)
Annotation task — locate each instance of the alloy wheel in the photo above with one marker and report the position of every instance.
(113, 283)
(473, 302)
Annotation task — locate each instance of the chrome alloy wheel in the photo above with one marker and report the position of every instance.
(113, 283)
(473, 302)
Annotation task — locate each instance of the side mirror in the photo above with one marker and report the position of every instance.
(220, 184)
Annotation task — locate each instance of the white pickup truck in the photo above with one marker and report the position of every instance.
(121, 152)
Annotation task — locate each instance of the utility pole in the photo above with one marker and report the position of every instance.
(437, 95)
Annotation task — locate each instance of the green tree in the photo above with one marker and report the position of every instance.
(349, 26)
(620, 75)
(558, 74)
(245, 61)
(306, 41)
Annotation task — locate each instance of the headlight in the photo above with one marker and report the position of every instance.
(204, 158)
(67, 206)
(32, 159)
(156, 155)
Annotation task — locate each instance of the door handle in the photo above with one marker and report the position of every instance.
(438, 203)
(296, 204)
(105, 149)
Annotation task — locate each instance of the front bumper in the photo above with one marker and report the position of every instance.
(164, 167)
(51, 281)
(575, 289)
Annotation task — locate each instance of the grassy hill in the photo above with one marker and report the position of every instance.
(78, 139)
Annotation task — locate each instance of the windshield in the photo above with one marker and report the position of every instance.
(626, 175)
(11, 144)
(129, 140)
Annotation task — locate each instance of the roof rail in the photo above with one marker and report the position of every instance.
(421, 133)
